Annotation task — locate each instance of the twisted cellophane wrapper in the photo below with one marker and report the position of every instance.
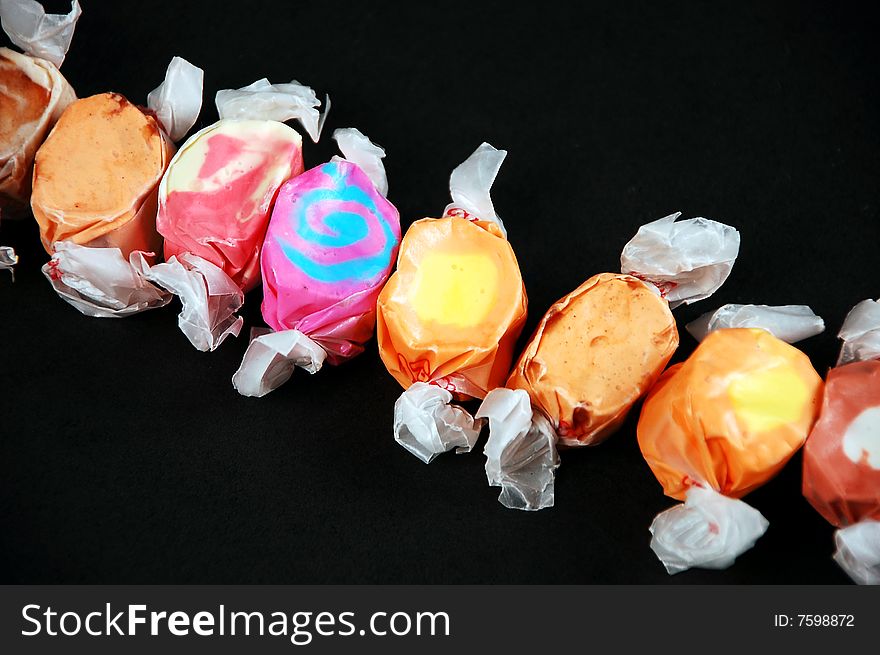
(33, 95)
(467, 359)
(584, 371)
(96, 177)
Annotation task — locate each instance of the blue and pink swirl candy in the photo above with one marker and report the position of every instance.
(330, 246)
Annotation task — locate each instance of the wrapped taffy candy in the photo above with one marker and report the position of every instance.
(329, 249)
(215, 201)
(450, 314)
(842, 453)
(723, 423)
(95, 192)
(33, 92)
(597, 351)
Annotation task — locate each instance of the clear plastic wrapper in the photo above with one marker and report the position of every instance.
(450, 314)
(726, 420)
(687, 260)
(39, 34)
(709, 530)
(100, 282)
(8, 260)
(427, 425)
(861, 333)
(271, 358)
(842, 455)
(791, 323)
(209, 298)
(275, 102)
(858, 551)
(521, 455)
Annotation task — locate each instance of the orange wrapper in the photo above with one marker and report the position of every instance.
(96, 177)
(594, 354)
(452, 311)
(730, 416)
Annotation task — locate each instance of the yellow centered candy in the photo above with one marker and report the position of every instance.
(455, 289)
(451, 312)
(730, 416)
(765, 400)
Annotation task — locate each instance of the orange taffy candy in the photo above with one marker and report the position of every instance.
(96, 177)
(452, 311)
(730, 416)
(33, 93)
(594, 354)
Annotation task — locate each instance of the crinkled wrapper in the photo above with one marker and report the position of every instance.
(451, 313)
(594, 354)
(33, 95)
(731, 415)
(842, 454)
(216, 198)
(329, 249)
(96, 177)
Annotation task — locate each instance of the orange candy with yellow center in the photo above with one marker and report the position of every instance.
(452, 311)
(730, 416)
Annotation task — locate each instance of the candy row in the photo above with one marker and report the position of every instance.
(233, 208)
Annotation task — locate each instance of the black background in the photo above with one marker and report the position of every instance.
(127, 456)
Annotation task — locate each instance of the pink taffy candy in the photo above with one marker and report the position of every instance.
(215, 199)
(329, 249)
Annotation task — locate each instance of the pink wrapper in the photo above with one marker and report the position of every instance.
(329, 249)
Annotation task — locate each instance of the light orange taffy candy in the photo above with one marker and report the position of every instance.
(452, 311)
(33, 93)
(594, 354)
(96, 177)
(730, 416)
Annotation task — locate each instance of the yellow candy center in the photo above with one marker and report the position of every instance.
(454, 289)
(770, 398)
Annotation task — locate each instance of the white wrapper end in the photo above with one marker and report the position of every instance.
(363, 153)
(707, 531)
(210, 298)
(521, 455)
(100, 282)
(8, 260)
(791, 323)
(427, 425)
(860, 333)
(274, 102)
(39, 34)
(858, 551)
(686, 260)
(471, 182)
(178, 100)
(270, 359)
